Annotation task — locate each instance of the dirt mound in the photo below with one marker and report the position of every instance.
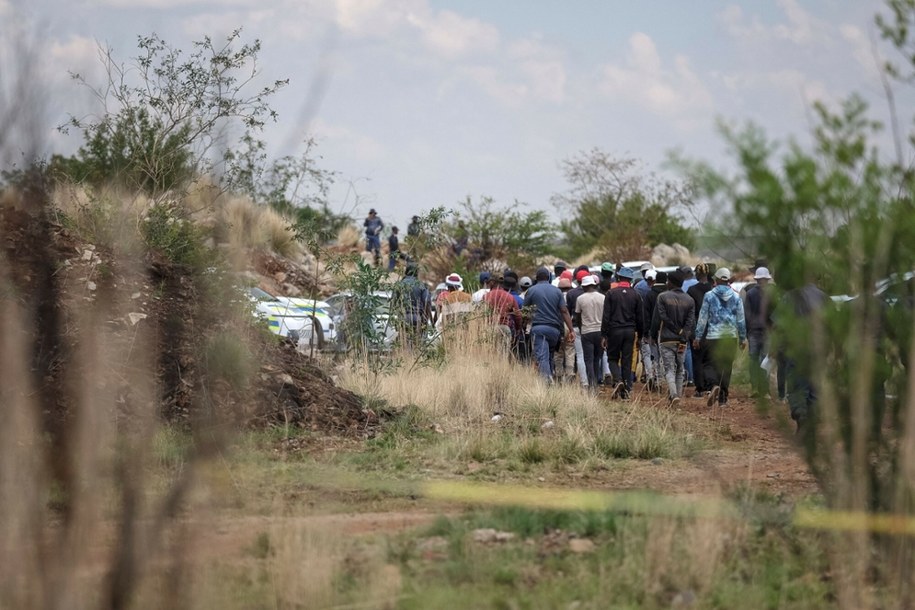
(292, 389)
(139, 328)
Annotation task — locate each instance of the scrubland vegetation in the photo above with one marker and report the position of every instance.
(161, 449)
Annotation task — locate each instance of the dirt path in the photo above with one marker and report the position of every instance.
(756, 450)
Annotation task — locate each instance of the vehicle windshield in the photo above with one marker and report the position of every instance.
(260, 295)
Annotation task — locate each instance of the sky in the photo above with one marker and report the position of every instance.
(420, 103)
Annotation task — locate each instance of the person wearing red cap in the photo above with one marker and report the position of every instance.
(571, 297)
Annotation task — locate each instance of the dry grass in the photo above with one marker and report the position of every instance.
(539, 422)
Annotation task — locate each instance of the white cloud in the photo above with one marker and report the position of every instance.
(357, 145)
(860, 45)
(676, 93)
(799, 27)
(451, 36)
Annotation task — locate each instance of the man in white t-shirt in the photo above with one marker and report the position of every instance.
(589, 310)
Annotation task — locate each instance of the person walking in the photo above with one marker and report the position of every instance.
(589, 312)
(393, 248)
(454, 305)
(672, 322)
(416, 303)
(758, 307)
(793, 319)
(571, 299)
(564, 364)
(373, 226)
(504, 310)
(622, 324)
(722, 323)
(648, 348)
(699, 346)
(550, 314)
(487, 283)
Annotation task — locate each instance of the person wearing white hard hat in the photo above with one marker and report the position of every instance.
(758, 303)
(589, 311)
(723, 326)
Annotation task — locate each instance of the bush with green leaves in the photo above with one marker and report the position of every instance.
(165, 111)
(613, 207)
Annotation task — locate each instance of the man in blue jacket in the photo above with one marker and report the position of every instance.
(550, 318)
(723, 326)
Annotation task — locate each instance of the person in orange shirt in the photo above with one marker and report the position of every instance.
(454, 303)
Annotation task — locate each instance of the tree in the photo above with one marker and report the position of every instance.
(615, 209)
(295, 186)
(164, 114)
(514, 235)
(838, 215)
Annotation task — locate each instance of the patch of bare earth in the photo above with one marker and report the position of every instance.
(754, 449)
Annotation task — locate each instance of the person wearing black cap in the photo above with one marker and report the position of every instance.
(549, 317)
(622, 323)
(373, 226)
(672, 322)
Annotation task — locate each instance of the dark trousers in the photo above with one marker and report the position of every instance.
(702, 361)
(757, 346)
(620, 345)
(723, 352)
(593, 351)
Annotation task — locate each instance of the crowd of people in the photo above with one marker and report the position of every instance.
(679, 330)
(684, 327)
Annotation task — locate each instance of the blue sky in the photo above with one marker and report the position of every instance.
(430, 101)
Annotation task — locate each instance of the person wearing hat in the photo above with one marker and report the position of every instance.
(373, 226)
(416, 303)
(589, 312)
(565, 358)
(722, 324)
(648, 347)
(758, 303)
(672, 323)
(558, 269)
(504, 310)
(622, 323)
(642, 286)
(689, 280)
(487, 282)
(550, 318)
(571, 298)
(453, 304)
(699, 348)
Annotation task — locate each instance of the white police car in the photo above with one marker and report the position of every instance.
(304, 320)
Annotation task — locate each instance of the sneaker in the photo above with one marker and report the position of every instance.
(699, 394)
(674, 402)
(713, 396)
(724, 404)
(689, 383)
(624, 395)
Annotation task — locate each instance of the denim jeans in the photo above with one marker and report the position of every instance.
(674, 367)
(546, 340)
(688, 363)
(580, 358)
(593, 351)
